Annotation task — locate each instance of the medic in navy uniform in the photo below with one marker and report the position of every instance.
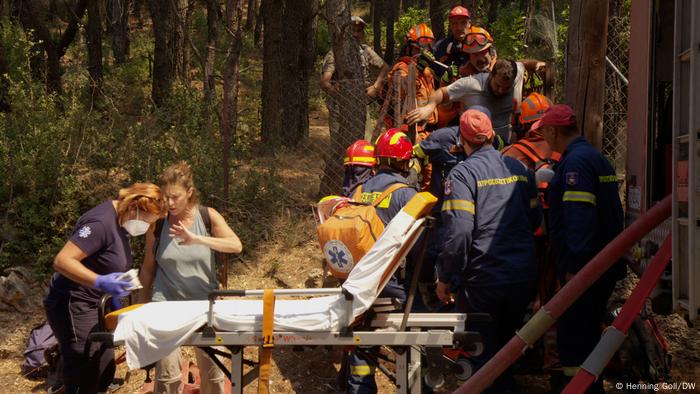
(358, 164)
(489, 213)
(393, 154)
(585, 214)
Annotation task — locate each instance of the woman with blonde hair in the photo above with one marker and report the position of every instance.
(179, 265)
(88, 266)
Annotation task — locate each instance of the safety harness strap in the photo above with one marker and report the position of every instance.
(268, 323)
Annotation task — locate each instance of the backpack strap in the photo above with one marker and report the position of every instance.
(156, 234)
(204, 212)
(358, 193)
(531, 151)
(387, 192)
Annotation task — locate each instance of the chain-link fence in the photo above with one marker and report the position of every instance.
(615, 104)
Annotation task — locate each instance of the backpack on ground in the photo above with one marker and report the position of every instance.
(350, 231)
(41, 357)
(644, 356)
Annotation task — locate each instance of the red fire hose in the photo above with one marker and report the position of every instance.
(549, 313)
(616, 333)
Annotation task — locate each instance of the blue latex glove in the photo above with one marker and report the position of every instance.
(112, 285)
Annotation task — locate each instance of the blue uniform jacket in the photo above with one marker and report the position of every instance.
(392, 204)
(456, 56)
(489, 214)
(585, 212)
(444, 151)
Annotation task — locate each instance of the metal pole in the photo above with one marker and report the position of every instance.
(617, 71)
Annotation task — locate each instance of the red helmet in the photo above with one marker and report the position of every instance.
(394, 144)
(458, 12)
(420, 34)
(533, 107)
(360, 153)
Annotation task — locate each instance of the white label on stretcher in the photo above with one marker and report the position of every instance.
(634, 198)
(338, 256)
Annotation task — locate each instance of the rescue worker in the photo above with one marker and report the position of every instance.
(449, 49)
(393, 154)
(496, 91)
(487, 257)
(585, 214)
(370, 62)
(443, 150)
(478, 44)
(533, 151)
(359, 165)
(416, 51)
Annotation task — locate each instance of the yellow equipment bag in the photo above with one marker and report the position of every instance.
(352, 229)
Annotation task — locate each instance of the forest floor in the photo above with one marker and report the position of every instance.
(291, 259)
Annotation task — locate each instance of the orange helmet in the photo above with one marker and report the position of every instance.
(394, 144)
(360, 153)
(533, 107)
(477, 40)
(421, 35)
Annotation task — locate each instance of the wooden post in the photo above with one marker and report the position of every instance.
(585, 68)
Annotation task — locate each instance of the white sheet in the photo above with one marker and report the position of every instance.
(156, 329)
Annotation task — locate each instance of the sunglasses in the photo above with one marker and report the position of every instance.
(476, 39)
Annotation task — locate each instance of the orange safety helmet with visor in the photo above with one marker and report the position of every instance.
(533, 107)
(477, 40)
(420, 35)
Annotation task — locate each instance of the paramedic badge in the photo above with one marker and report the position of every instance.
(571, 178)
(448, 187)
(338, 256)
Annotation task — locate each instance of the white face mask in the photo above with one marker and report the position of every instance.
(136, 227)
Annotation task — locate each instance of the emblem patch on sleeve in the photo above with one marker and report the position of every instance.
(84, 232)
(571, 178)
(448, 187)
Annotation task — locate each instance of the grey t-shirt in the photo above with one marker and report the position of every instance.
(184, 272)
(473, 90)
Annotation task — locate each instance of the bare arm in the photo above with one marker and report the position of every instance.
(68, 262)
(223, 239)
(382, 75)
(327, 84)
(422, 114)
(148, 269)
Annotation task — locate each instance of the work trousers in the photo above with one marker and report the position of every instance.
(87, 367)
(507, 305)
(168, 374)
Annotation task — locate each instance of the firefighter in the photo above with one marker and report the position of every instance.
(359, 165)
(481, 54)
(449, 49)
(585, 214)
(487, 259)
(393, 154)
(533, 151)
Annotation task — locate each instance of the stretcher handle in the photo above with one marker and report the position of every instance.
(213, 295)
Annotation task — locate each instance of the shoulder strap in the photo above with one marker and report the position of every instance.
(388, 191)
(204, 212)
(528, 149)
(358, 193)
(156, 234)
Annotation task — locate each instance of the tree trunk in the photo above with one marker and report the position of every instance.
(437, 18)
(288, 56)
(350, 100)
(119, 29)
(184, 64)
(392, 12)
(252, 12)
(31, 20)
(94, 48)
(209, 61)
(168, 51)
(585, 69)
(4, 70)
(257, 32)
(377, 12)
(229, 110)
